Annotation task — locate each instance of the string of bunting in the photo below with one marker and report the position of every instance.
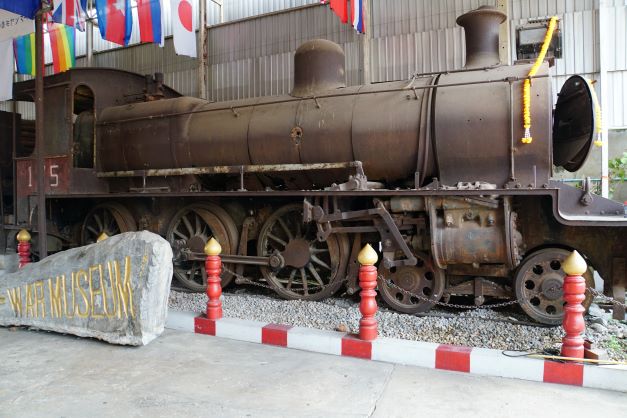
(349, 8)
(63, 17)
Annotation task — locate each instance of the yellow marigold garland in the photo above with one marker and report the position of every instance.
(597, 115)
(527, 139)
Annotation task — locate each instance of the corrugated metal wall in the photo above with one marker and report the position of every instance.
(252, 54)
(255, 57)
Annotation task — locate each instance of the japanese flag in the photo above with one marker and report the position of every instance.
(183, 27)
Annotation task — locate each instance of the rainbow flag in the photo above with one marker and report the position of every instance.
(24, 50)
(62, 44)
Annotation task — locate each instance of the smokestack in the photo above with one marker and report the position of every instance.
(482, 36)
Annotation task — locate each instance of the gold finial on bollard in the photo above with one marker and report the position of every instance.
(213, 247)
(23, 236)
(102, 237)
(367, 256)
(574, 265)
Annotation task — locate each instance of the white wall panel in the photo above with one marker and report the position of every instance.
(616, 115)
(254, 57)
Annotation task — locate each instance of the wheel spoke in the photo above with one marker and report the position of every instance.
(303, 275)
(197, 230)
(314, 273)
(290, 281)
(320, 262)
(277, 239)
(98, 222)
(191, 272)
(180, 235)
(285, 228)
(188, 225)
(319, 250)
(92, 230)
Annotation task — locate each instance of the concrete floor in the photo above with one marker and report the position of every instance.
(190, 375)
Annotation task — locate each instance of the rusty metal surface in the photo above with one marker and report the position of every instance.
(467, 232)
(56, 178)
(226, 169)
(473, 142)
(482, 35)
(318, 67)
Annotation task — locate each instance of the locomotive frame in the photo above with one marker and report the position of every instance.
(454, 229)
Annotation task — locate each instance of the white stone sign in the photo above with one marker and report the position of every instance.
(116, 290)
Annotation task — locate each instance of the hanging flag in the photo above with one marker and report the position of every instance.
(62, 44)
(6, 70)
(26, 8)
(70, 13)
(339, 7)
(13, 25)
(24, 48)
(115, 20)
(183, 27)
(357, 15)
(150, 27)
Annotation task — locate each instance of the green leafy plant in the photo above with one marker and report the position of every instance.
(618, 167)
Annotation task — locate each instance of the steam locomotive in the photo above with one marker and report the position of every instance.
(431, 170)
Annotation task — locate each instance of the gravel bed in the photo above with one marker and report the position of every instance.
(475, 328)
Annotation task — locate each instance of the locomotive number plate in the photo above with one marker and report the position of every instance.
(56, 179)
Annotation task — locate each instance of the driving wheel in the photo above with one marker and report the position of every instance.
(190, 229)
(412, 289)
(108, 218)
(538, 285)
(305, 268)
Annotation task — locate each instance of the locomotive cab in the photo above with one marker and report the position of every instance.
(73, 101)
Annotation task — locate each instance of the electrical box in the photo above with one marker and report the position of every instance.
(530, 37)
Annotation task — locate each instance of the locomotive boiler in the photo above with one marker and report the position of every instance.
(431, 170)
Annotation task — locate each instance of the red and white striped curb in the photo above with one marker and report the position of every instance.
(480, 361)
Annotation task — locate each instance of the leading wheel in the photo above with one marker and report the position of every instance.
(538, 285)
(310, 269)
(108, 218)
(191, 227)
(412, 289)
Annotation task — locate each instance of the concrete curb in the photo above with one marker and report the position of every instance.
(479, 361)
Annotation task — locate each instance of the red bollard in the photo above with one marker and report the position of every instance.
(368, 305)
(213, 266)
(23, 247)
(574, 293)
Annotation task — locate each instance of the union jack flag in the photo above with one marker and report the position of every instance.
(70, 12)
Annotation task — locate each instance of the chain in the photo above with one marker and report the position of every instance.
(455, 305)
(245, 280)
(606, 298)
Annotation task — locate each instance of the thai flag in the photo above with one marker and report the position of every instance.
(357, 15)
(115, 20)
(70, 13)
